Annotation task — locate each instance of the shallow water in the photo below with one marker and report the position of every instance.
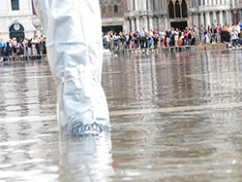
(175, 117)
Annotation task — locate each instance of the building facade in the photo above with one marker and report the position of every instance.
(208, 12)
(164, 14)
(16, 19)
(113, 14)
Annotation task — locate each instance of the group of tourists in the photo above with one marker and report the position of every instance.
(222, 34)
(174, 37)
(28, 47)
(155, 38)
(149, 39)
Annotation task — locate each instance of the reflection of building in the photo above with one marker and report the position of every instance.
(16, 19)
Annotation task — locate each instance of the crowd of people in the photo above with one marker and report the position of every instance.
(222, 34)
(174, 37)
(149, 39)
(28, 47)
(155, 38)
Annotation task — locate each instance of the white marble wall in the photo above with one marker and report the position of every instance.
(22, 16)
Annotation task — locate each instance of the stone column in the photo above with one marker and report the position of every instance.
(215, 21)
(195, 20)
(161, 4)
(129, 5)
(138, 23)
(202, 20)
(145, 22)
(155, 22)
(207, 19)
(166, 23)
(206, 2)
(127, 25)
(229, 19)
(144, 7)
(149, 5)
(132, 24)
(150, 23)
(221, 18)
(201, 2)
(136, 5)
(161, 23)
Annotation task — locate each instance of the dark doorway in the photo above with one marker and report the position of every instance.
(17, 31)
(181, 25)
(116, 29)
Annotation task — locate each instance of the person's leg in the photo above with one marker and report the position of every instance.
(74, 47)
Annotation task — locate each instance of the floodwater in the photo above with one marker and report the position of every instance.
(175, 117)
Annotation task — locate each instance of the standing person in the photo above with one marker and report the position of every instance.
(226, 32)
(34, 43)
(240, 24)
(2, 45)
(234, 38)
(29, 48)
(156, 40)
(74, 48)
(219, 31)
(7, 51)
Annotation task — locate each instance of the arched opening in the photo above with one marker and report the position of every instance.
(184, 9)
(171, 9)
(16, 30)
(115, 7)
(178, 9)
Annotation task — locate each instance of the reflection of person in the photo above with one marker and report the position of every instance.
(86, 159)
(74, 47)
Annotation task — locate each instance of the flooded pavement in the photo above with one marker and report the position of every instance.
(175, 117)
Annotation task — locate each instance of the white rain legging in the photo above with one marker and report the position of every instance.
(74, 46)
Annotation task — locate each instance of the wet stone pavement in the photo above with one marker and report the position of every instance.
(175, 117)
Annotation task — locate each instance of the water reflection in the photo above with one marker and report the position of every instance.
(175, 117)
(170, 108)
(86, 159)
